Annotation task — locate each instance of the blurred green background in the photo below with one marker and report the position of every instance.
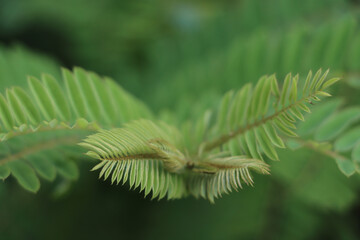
(180, 57)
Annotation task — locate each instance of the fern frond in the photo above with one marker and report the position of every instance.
(224, 174)
(46, 156)
(46, 105)
(146, 154)
(47, 110)
(250, 121)
(143, 153)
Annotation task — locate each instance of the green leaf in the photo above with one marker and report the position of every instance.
(348, 140)
(337, 124)
(4, 172)
(315, 79)
(27, 105)
(295, 112)
(244, 101)
(74, 92)
(244, 147)
(43, 166)
(118, 99)
(323, 94)
(346, 166)
(57, 97)
(82, 123)
(285, 121)
(5, 114)
(315, 98)
(16, 107)
(90, 96)
(42, 98)
(266, 144)
(140, 146)
(307, 83)
(226, 174)
(271, 132)
(288, 117)
(284, 129)
(318, 115)
(103, 99)
(303, 107)
(255, 101)
(25, 175)
(330, 82)
(321, 80)
(251, 143)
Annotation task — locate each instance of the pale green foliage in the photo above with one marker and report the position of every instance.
(48, 118)
(253, 118)
(341, 132)
(333, 126)
(149, 156)
(86, 98)
(205, 158)
(143, 153)
(209, 157)
(224, 174)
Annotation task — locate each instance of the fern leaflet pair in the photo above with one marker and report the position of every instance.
(217, 153)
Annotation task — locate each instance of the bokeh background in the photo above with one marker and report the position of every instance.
(180, 57)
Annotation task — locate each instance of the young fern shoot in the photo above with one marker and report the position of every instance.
(249, 125)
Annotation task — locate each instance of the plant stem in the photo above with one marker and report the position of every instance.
(223, 139)
(325, 152)
(40, 147)
(41, 129)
